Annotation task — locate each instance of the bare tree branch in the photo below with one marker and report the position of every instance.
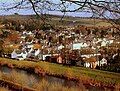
(99, 7)
(33, 6)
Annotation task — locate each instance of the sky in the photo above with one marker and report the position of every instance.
(8, 2)
(30, 11)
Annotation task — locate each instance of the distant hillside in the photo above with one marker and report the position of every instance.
(56, 20)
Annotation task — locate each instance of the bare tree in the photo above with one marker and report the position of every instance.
(109, 9)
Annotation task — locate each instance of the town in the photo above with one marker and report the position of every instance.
(59, 45)
(84, 46)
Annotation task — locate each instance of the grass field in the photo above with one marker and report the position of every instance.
(79, 73)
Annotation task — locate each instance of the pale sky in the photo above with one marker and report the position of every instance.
(30, 11)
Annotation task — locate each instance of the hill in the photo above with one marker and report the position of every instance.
(58, 20)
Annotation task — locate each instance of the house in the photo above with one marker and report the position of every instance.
(89, 52)
(29, 33)
(24, 54)
(20, 55)
(45, 55)
(113, 57)
(34, 53)
(79, 45)
(103, 43)
(60, 47)
(29, 46)
(90, 62)
(29, 50)
(29, 42)
(102, 62)
(14, 55)
(24, 32)
(59, 59)
(37, 51)
(90, 55)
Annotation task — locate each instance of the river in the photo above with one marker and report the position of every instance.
(33, 78)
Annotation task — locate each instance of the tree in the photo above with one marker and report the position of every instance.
(16, 14)
(13, 37)
(98, 8)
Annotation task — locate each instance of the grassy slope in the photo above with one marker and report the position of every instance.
(79, 73)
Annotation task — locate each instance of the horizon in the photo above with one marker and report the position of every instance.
(29, 11)
(54, 15)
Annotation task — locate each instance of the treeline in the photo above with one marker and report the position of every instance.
(28, 24)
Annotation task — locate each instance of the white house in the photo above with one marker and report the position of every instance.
(28, 50)
(111, 41)
(87, 64)
(24, 32)
(20, 55)
(29, 33)
(23, 37)
(14, 54)
(90, 55)
(92, 62)
(79, 45)
(37, 52)
(30, 42)
(60, 47)
(104, 43)
(102, 62)
(29, 46)
(24, 54)
(45, 55)
(34, 52)
(114, 55)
